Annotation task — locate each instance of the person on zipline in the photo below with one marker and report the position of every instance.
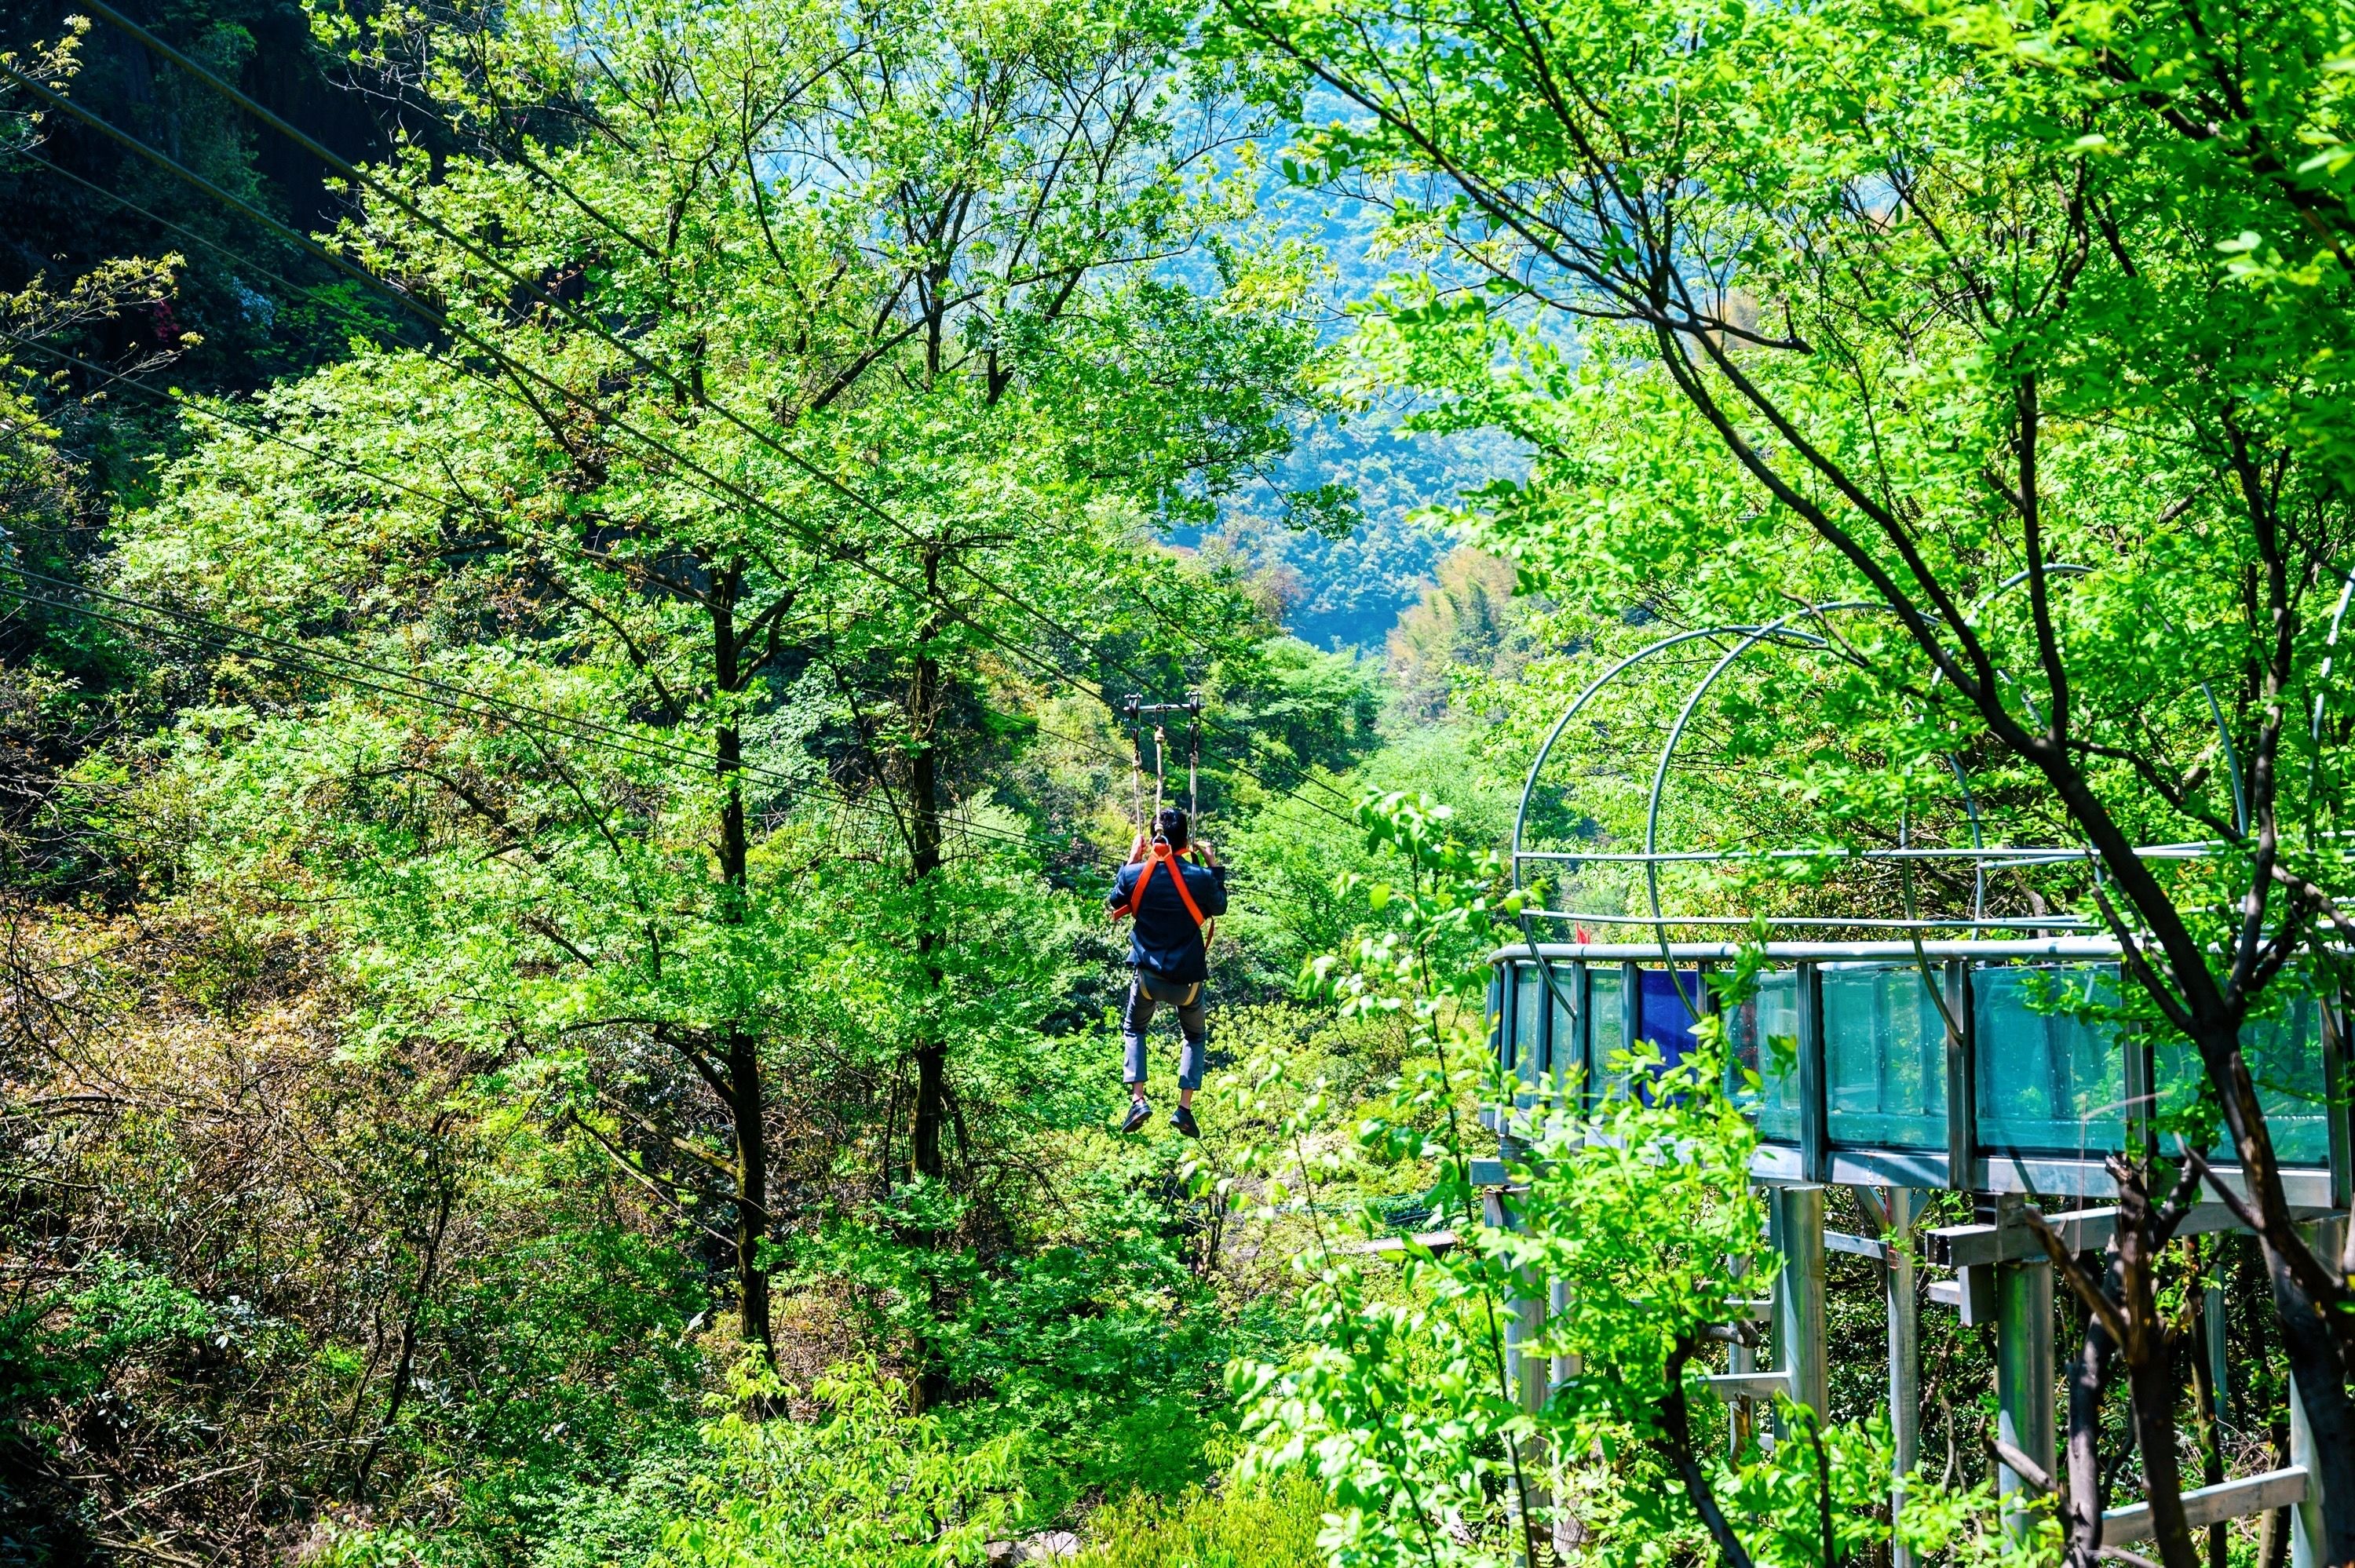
(1171, 899)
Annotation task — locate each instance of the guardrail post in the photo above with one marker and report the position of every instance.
(1962, 1079)
(1589, 1071)
(1542, 1068)
(1631, 1004)
(2023, 1374)
(1814, 1112)
(2335, 1106)
(1526, 1373)
(1799, 1294)
(1904, 1355)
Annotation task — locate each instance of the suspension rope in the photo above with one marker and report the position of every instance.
(1160, 763)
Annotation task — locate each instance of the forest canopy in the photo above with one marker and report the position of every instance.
(600, 606)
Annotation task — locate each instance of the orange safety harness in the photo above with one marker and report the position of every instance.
(1137, 711)
(1161, 852)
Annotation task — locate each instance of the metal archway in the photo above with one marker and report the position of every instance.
(1784, 632)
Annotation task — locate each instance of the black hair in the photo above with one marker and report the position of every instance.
(1170, 827)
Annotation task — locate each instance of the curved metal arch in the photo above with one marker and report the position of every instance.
(1537, 767)
(1577, 704)
(2331, 652)
(2321, 700)
(1782, 630)
(1684, 718)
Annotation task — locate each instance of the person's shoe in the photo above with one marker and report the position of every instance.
(1139, 1113)
(1182, 1118)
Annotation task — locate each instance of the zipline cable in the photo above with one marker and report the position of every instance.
(597, 330)
(522, 372)
(263, 431)
(443, 696)
(728, 489)
(581, 319)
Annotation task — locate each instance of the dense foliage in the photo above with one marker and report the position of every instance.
(560, 747)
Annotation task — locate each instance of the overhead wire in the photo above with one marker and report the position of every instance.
(264, 432)
(439, 320)
(582, 319)
(444, 696)
(589, 324)
(728, 489)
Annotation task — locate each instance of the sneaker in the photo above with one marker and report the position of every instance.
(1182, 1118)
(1139, 1113)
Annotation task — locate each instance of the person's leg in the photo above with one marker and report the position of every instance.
(1194, 1023)
(1136, 1018)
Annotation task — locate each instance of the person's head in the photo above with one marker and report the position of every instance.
(1169, 827)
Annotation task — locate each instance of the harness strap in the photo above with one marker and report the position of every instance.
(1161, 851)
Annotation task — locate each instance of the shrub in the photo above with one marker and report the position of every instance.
(1274, 1527)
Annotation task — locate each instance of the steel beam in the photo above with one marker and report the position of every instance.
(2080, 1230)
(2211, 1505)
(1730, 1386)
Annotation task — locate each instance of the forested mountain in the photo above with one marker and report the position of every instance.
(600, 608)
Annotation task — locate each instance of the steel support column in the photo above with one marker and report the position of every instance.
(2023, 1378)
(1799, 1294)
(2310, 1547)
(1527, 1371)
(1904, 1352)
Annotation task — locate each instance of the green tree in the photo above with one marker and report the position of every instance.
(614, 521)
(1919, 307)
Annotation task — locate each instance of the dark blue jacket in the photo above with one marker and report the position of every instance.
(1166, 939)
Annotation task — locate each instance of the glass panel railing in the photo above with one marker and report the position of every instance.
(2285, 1057)
(1605, 1037)
(2048, 1081)
(1671, 1003)
(1884, 1057)
(1529, 1023)
(1566, 1059)
(1762, 1038)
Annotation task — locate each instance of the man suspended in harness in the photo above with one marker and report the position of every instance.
(1171, 899)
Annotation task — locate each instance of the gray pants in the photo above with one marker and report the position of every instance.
(1145, 993)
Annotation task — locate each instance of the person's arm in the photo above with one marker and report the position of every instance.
(1214, 899)
(1117, 899)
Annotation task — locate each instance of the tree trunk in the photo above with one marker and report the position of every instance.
(924, 859)
(2203, 1400)
(2318, 1349)
(404, 1370)
(2150, 1379)
(2089, 1381)
(929, 1047)
(2321, 1387)
(751, 1190)
(746, 1103)
(2147, 1351)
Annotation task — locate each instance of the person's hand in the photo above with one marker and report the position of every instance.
(1210, 855)
(1136, 851)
